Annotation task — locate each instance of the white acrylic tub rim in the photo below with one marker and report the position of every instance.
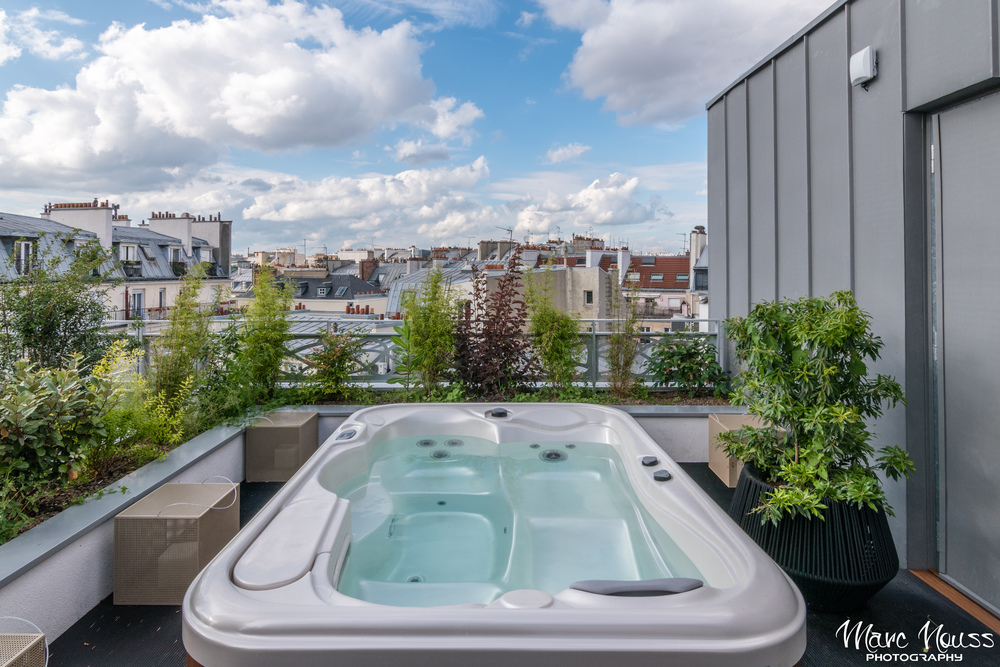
(285, 608)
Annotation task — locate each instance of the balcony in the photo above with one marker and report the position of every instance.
(132, 268)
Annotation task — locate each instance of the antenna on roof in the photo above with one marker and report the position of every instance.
(510, 232)
(684, 240)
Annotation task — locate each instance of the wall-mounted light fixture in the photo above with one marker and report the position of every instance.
(864, 67)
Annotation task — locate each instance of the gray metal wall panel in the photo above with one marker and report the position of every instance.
(792, 172)
(969, 159)
(763, 253)
(737, 204)
(718, 238)
(949, 47)
(879, 262)
(829, 168)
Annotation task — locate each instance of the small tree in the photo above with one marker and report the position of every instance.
(493, 355)
(180, 353)
(431, 336)
(334, 363)
(555, 334)
(55, 307)
(265, 332)
(623, 343)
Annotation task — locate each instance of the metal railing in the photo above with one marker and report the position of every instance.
(379, 359)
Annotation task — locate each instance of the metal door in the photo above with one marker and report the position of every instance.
(966, 249)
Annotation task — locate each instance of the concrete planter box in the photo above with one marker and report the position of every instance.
(36, 566)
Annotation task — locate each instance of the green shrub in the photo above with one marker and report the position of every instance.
(334, 363)
(263, 335)
(404, 356)
(687, 363)
(179, 355)
(49, 418)
(431, 337)
(57, 308)
(555, 334)
(804, 370)
(623, 343)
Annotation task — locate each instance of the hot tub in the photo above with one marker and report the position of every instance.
(528, 534)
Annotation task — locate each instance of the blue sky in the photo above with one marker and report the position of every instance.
(393, 122)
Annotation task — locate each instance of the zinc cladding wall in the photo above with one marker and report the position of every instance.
(816, 186)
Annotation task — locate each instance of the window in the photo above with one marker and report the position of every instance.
(588, 297)
(25, 257)
(149, 253)
(682, 277)
(163, 298)
(127, 253)
(648, 261)
(175, 254)
(136, 299)
(646, 329)
(341, 291)
(657, 277)
(631, 276)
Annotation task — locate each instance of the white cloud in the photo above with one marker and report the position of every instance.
(308, 81)
(525, 20)
(564, 153)
(659, 61)
(8, 50)
(48, 44)
(613, 201)
(417, 152)
(443, 122)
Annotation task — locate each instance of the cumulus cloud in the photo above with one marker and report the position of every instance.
(612, 201)
(308, 81)
(659, 61)
(445, 118)
(564, 153)
(425, 200)
(417, 152)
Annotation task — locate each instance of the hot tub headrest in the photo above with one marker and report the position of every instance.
(634, 589)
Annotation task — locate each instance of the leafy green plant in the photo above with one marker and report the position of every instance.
(431, 335)
(623, 343)
(687, 362)
(56, 308)
(493, 356)
(404, 355)
(265, 332)
(17, 502)
(335, 361)
(179, 354)
(805, 369)
(555, 334)
(49, 417)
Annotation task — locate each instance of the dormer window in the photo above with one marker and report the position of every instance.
(25, 257)
(128, 252)
(656, 277)
(175, 254)
(682, 277)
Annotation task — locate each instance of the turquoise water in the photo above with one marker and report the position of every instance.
(443, 520)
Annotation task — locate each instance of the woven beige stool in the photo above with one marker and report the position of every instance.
(22, 650)
(277, 445)
(164, 540)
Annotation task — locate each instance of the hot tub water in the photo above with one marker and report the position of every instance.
(442, 521)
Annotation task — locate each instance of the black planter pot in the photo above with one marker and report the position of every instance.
(838, 564)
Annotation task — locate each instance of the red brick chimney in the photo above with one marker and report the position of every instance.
(366, 267)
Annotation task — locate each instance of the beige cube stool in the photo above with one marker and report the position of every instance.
(277, 445)
(727, 468)
(22, 650)
(164, 540)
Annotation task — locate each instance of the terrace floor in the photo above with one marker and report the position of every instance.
(151, 635)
